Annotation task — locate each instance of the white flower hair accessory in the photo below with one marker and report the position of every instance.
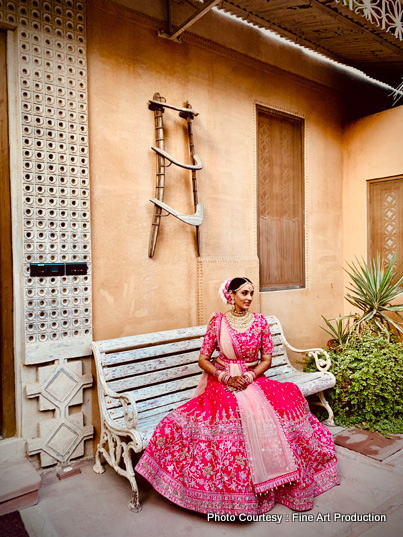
(223, 292)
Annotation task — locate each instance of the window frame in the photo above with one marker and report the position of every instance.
(301, 121)
(370, 182)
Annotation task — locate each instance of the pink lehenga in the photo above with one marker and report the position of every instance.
(227, 452)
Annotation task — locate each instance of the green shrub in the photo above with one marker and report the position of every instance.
(369, 382)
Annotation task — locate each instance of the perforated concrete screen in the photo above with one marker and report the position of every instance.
(55, 178)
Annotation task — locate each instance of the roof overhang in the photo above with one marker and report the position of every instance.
(365, 34)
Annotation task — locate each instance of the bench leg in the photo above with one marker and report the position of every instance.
(133, 504)
(98, 466)
(324, 403)
(113, 454)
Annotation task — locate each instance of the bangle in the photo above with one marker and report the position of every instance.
(224, 377)
(216, 373)
(248, 377)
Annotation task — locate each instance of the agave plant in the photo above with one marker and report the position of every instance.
(373, 289)
(338, 333)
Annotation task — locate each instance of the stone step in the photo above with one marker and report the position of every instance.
(19, 485)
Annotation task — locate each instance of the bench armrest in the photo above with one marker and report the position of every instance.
(131, 416)
(126, 399)
(322, 364)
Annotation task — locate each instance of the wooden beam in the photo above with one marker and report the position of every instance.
(189, 22)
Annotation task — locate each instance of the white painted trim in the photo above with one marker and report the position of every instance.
(14, 118)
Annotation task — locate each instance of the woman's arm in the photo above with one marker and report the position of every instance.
(263, 366)
(205, 364)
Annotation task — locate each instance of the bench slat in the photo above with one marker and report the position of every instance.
(295, 376)
(149, 352)
(156, 364)
(178, 397)
(152, 421)
(279, 360)
(158, 377)
(274, 329)
(277, 340)
(280, 370)
(117, 413)
(153, 338)
(148, 414)
(164, 410)
(144, 427)
(304, 378)
(158, 390)
(156, 402)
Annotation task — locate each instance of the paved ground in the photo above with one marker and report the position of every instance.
(91, 505)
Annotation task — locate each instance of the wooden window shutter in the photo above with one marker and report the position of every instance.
(281, 226)
(385, 219)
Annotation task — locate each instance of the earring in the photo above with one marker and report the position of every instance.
(233, 301)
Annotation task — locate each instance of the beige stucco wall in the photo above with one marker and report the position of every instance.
(127, 63)
(372, 150)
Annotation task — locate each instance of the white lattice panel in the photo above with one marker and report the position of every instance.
(55, 180)
(387, 14)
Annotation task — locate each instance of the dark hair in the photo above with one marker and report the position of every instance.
(236, 283)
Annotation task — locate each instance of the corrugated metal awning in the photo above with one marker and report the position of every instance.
(368, 37)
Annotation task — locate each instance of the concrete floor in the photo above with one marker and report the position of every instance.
(91, 505)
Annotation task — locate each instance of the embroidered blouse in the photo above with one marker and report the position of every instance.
(256, 338)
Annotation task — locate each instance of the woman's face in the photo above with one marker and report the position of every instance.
(243, 297)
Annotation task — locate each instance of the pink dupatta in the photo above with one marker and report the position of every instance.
(270, 457)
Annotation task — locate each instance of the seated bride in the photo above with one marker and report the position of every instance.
(244, 442)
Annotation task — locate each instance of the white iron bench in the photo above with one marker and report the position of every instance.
(141, 378)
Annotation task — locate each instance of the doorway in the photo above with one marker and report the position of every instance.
(7, 373)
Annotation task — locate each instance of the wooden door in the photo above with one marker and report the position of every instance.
(280, 200)
(7, 398)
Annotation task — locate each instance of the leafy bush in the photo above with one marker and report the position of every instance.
(369, 382)
(338, 333)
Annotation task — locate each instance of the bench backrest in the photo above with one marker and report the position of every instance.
(161, 369)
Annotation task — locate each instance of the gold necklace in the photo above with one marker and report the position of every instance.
(240, 323)
(238, 313)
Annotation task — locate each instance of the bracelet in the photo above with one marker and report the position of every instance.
(216, 373)
(248, 377)
(224, 377)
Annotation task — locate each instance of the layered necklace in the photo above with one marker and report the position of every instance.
(239, 321)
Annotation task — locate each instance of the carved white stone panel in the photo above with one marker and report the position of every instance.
(59, 387)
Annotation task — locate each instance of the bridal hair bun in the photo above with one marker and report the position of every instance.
(223, 292)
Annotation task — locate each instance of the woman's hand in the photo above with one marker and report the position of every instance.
(238, 383)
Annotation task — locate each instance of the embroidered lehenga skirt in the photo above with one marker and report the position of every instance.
(231, 453)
